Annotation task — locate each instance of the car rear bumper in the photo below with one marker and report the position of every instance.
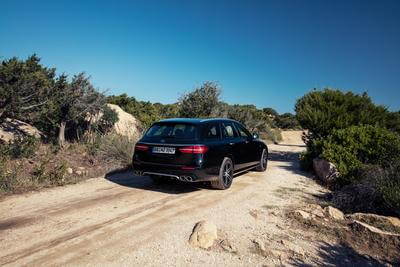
(173, 171)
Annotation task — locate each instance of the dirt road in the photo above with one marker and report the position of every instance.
(126, 220)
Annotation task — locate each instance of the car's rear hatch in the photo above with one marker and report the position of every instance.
(169, 143)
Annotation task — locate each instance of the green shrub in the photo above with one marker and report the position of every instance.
(320, 112)
(112, 147)
(8, 175)
(387, 182)
(351, 148)
(21, 147)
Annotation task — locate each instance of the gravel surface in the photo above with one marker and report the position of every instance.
(127, 220)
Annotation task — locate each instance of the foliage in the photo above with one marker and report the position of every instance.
(386, 180)
(21, 147)
(351, 148)
(32, 93)
(106, 121)
(146, 112)
(200, 102)
(25, 86)
(320, 112)
(8, 175)
(113, 147)
(287, 121)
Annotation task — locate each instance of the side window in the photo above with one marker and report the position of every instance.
(211, 131)
(227, 130)
(243, 131)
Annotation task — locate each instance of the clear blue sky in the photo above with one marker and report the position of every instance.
(266, 53)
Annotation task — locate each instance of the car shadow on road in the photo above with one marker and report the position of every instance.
(128, 179)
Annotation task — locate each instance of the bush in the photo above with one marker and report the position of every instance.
(386, 181)
(320, 112)
(350, 149)
(113, 147)
(21, 147)
(8, 175)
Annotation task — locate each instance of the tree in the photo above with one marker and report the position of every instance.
(25, 86)
(271, 112)
(287, 121)
(323, 111)
(200, 102)
(72, 106)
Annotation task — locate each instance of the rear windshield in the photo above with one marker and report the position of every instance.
(172, 130)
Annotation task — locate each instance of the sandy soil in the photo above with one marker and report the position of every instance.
(126, 220)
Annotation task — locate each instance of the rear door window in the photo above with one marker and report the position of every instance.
(172, 130)
(211, 131)
(228, 131)
(243, 132)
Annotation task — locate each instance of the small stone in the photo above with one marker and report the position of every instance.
(79, 173)
(69, 170)
(301, 214)
(203, 235)
(334, 213)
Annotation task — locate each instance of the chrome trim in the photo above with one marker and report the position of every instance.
(161, 174)
(245, 170)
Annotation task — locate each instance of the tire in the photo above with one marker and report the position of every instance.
(262, 166)
(225, 176)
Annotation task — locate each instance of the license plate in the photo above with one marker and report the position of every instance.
(164, 150)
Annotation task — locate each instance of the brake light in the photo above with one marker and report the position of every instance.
(194, 149)
(141, 147)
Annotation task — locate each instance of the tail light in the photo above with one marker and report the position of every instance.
(141, 147)
(194, 149)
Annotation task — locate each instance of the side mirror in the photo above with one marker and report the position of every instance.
(255, 136)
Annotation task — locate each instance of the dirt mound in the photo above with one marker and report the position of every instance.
(127, 125)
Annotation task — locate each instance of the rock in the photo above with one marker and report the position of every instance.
(301, 215)
(11, 128)
(325, 170)
(69, 170)
(203, 235)
(334, 213)
(79, 173)
(382, 222)
(318, 213)
(315, 210)
(227, 246)
(369, 230)
(127, 125)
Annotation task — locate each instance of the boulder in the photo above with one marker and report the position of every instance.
(203, 235)
(12, 128)
(369, 230)
(127, 125)
(383, 222)
(334, 213)
(325, 170)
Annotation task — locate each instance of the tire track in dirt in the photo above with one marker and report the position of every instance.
(143, 228)
(156, 213)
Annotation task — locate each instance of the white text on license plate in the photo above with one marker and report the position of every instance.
(164, 150)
